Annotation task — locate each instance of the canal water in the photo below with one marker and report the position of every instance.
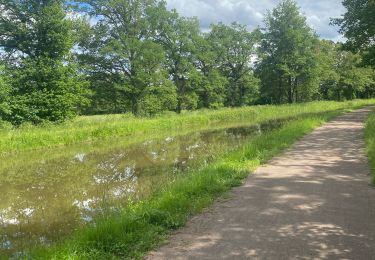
(47, 194)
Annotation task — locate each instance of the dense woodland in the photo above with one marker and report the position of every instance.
(62, 58)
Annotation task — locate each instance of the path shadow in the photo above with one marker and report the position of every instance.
(314, 202)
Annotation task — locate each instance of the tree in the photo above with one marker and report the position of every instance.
(288, 64)
(177, 35)
(211, 90)
(36, 37)
(353, 79)
(329, 77)
(123, 53)
(358, 26)
(4, 94)
(235, 47)
(341, 74)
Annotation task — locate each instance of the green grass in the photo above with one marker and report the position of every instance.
(370, 141)
(91, 128)
(137, 228)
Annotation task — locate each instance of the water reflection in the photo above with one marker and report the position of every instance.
(49, 194)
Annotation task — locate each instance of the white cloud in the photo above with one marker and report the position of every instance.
(251, 12)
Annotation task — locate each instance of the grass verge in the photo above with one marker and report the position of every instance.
(91, 128)
(135, 229)
(370, 141)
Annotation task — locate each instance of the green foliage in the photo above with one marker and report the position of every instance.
(120, 56)
(235, 46)
(212, 83)
(37, 39)
(4, 95)
(35, 28)
(120, 51)
(328, 53)
(353, 79)
(158, 99)
(212, 89)
(370, 141)
(288, 64)
(358, 26)
(341, 76)
(177, 37)
(45, 89)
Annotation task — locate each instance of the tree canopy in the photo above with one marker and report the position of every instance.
(61, 58)
(288, 66)
(358, 26)
(37, 38)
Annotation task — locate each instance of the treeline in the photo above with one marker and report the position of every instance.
(60, 58)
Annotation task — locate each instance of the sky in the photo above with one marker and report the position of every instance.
(251, 13)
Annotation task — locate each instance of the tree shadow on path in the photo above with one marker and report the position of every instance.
(313, 202)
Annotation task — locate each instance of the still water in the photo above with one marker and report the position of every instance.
(46, 194)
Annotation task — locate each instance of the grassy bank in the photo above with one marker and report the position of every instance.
(370, 141)
(91, 128)
(134, 230)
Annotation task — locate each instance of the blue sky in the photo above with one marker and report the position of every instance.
(251, 12)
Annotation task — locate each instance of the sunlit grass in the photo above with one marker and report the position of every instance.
(91, 128)
(370, 141)
(137, 228)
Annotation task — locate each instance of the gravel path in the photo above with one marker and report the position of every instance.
(313, 202)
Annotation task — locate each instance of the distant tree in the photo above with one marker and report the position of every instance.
(212, 90)
(212, 83)
(4, 94)
(288, 64)
(36, 38)
(358, 26)
(122, 53)
(177, 36)
(328, 53)
(235, 47)
(354, 80)
(341, 74)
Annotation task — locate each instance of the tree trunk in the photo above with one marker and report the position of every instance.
(290, 94)
(206, 101)
(241, 97)
(281, 93)
(134, 102)
(181, 93)
(296, 99)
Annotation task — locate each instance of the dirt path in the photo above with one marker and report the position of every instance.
(313, 202)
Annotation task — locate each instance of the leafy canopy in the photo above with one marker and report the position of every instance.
(358, 26)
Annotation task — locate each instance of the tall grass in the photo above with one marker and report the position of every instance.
(370, 141)
(91, 128)
(132, 231)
